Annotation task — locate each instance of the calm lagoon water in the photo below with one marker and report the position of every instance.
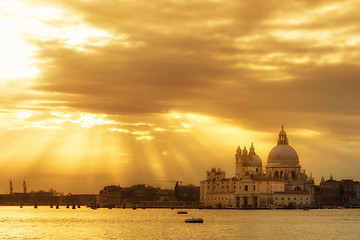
(84, 223)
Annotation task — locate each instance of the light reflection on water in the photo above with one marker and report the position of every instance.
(84, 223)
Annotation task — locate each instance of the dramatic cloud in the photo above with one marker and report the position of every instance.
(128, 74)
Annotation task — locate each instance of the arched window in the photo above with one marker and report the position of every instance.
(293, 175)
(298, 188)
(281, 174)
(276, 174)
(257, 170)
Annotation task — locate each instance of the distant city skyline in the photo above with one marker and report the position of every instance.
(94, 93)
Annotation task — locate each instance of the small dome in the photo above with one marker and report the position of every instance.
(213, 169)
(283, 154)
(253, 161)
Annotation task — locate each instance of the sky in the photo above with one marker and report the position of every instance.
(101, 92)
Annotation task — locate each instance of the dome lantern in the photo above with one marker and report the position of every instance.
(252, 149)
(283, 137)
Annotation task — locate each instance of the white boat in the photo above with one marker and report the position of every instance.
(194, 220)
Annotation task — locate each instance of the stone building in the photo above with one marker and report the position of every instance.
(284, 184)
(339, 193)
(110, 196)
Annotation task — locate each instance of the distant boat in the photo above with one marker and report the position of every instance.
(182, 212)
(194, 220)
(306, 208)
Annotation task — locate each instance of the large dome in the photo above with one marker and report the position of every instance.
(283, 154)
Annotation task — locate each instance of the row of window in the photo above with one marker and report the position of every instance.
(246, 187)
(218, 199)
(289, 198)
(301, 203)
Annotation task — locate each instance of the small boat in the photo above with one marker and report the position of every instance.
(182, 212)
(194, 220)
(306, 208)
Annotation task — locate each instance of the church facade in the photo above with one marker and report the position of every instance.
(283, 184)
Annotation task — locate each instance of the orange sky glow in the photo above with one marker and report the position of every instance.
(100, 92)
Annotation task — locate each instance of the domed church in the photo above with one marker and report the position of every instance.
(283, 185)
(283, 163)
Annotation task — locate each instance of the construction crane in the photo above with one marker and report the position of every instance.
(11, 188)
(24, 186)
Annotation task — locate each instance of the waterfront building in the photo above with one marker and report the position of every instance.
(110, 196)
(148, 196)
(284, 184)
(339, 193)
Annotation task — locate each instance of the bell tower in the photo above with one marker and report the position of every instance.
(238, 162)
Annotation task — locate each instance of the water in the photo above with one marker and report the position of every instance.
(84, 223)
